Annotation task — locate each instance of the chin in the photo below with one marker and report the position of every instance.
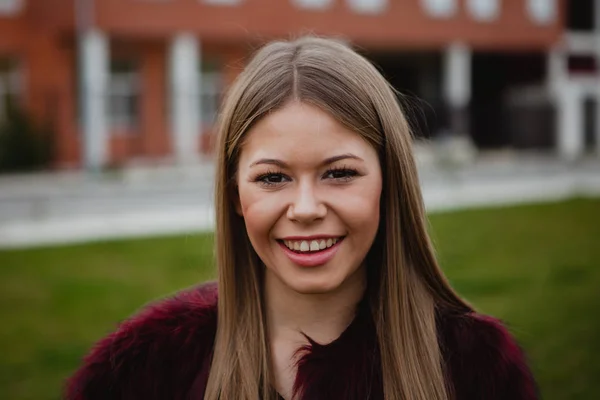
(316, 286)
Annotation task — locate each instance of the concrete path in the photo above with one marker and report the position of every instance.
(58, 208)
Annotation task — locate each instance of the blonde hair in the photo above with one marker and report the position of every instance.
(405, 284)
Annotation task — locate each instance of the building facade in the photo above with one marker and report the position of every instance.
(126, 80)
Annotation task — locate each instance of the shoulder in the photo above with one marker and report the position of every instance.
(483, 360)
(153, 353)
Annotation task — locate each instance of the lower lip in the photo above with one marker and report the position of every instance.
(311, 259)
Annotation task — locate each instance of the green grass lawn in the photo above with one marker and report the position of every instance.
(536, 267)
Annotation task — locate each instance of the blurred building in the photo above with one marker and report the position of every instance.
(128, 80)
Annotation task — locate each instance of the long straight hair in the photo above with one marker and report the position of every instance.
(405, 284)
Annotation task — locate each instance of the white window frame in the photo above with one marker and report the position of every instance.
(485, 10)
(441, 9)
(122, 87)
(318, 5)
(542, 12)
(11, 7)
(368, 6)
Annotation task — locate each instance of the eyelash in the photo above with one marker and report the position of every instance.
(349, 173)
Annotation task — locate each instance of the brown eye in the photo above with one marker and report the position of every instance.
(270, 179)
(341, 174)
(273, 178)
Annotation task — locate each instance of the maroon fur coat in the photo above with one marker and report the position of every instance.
(164, 353)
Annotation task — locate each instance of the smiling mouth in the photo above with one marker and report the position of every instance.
(310, 246)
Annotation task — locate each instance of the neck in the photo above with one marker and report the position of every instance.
(321, 316)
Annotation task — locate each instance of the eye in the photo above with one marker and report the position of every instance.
(271, 179)
(341, 174)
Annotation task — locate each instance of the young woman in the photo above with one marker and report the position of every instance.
(328, 286)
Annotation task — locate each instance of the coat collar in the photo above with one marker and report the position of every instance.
(165, 351)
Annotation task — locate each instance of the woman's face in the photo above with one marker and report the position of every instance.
(309, 192)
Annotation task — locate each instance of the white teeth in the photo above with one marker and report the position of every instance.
(304, 246)
(313, 245)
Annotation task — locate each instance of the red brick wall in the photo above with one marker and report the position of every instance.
(404, 24)
(43, 37)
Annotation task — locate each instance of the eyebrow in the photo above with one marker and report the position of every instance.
(327, 161)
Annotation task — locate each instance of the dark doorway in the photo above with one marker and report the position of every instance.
(417, 76)
(580, 15)
(497, 119)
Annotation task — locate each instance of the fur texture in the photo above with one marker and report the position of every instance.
(164, 352)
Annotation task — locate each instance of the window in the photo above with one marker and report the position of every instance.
(11, 7)
(210, 97)
(211, 87)
(368, 6)
(313, 4)
(123, 95)
(484, 10)
(544, 11)
(10, 85)
(440, 8)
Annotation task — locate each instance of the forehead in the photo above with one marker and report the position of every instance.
(303, 134)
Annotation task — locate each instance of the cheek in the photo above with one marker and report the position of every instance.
(364, 220)
(360, 210)
(260, 212)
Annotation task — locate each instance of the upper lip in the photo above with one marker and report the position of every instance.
(313, 237)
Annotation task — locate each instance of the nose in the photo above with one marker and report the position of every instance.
(306, 206)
